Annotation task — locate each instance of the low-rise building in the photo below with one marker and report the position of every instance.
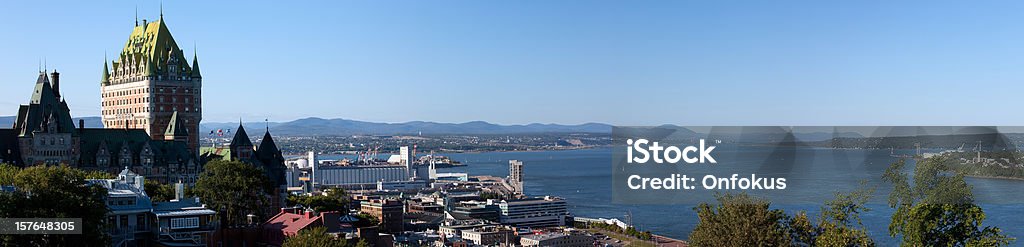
(390, 213)
(183, 221)
(557, 240)
(490, 235)
(290, 221)
(135, 220)
(129, 208)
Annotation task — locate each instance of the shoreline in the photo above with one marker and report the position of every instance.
(994, 177)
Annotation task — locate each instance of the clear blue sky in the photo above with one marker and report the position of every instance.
(512, 62)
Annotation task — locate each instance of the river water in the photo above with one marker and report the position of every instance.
(583, 177)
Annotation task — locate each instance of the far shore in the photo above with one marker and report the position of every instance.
(994, 177)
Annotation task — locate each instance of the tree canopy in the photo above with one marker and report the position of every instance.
(234, 189)
(53, 192)
(159, 192)
(316, 236)
(936, 208)
(740, 220)
(332, 200)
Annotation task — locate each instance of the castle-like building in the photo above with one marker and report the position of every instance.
(45, 134)
(151, 80)
(151, 109)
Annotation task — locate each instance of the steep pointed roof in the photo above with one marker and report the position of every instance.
(267, 149)
(43, 104)
(105, 78)
(152, 46)
(174, 127)
(195, 66)
(241, 138)
(43, 89)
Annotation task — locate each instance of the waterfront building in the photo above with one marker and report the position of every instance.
(452, 176)
(390, 213)
(515, 176)
(356, 175)
(44, 134)
(149, 81)
(557, 239)
(534, 212)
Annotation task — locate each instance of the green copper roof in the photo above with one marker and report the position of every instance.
(174, 127)
(105, 78)
(151, 45)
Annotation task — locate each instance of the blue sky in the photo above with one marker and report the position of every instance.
(513, 62)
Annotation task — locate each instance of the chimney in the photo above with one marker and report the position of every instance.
(140, 182)
(179, 191)
(81, 124)
(55, 83)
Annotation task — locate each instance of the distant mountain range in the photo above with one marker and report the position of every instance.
(90, 122)
(337, 126)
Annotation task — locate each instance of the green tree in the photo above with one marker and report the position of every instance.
(840, 223)
(936, 208)
(740, 220)
(332, 200)
(363, 243)
(366, 220)
(95, 174)
(53, 192)
(159, 192)
(234, 189)
(316, 236)
(7, 173)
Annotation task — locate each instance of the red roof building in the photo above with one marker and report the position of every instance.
(292, 220)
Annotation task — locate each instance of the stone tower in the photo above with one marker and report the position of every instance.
(150, 81)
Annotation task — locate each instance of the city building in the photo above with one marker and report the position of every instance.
(476, 210)
(490, 235)
(534, 212)
(359, 175)
(411, 185)
(129, 208)
(557, 239)
(182, 221)
(149, 81)
(135, 220)
(515, 176)
(292, 220)
(390, 213)
(44, 134)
